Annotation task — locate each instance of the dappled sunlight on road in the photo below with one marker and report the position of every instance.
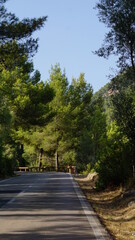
(45, 206)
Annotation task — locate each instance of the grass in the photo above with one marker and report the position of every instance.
(115, 207)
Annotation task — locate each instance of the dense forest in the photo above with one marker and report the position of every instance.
(54, 123)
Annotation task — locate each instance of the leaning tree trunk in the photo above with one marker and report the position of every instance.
(56, 161)
(40, 159)
(134, 162)
(21, 159)
(132, 57)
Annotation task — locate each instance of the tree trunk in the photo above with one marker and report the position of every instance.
(134, 162)
(40, 159)
(56, 161)
(21, 159)
(132, 57)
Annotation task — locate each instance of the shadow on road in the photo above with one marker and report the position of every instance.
(46, 207)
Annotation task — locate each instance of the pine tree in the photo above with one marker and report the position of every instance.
(16, 43)
(119, 17)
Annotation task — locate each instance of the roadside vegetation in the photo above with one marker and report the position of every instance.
(115, 206)
(54, 123)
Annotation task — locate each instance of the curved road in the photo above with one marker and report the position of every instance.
(46, 206)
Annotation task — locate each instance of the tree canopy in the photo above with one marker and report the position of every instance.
(119, 17)
(57, 123)
(16, 43)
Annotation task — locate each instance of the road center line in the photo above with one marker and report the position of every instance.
(18, 195)
(12, 199)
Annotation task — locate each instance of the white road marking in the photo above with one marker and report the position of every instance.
(18, 195)
(13, 199)
(90, 214)
(5, 180)
(10, 201)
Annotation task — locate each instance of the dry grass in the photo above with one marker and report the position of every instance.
(116, 208)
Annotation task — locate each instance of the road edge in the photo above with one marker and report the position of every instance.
(98, 229)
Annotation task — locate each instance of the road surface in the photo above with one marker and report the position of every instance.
(46, 206)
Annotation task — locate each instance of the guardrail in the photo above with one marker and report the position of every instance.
(24, 169)
(70, 169)
(30, 169)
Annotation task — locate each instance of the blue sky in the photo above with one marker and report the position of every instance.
(69, 36)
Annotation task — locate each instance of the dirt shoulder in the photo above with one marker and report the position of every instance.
(115, 208)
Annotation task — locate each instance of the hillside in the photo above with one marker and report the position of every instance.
(122, 81)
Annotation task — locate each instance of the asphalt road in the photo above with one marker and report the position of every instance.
(46, 206)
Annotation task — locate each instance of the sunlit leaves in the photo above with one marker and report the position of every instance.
(119, 17)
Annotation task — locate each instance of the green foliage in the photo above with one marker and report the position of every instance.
(98, 128)
(80, 94)
(5, 125)
(23, 98)
(124, 111)
(57, 123)
(114, 166)
(69, 158)
(68, 121)
(57, 107)
(30, 155)
(116, 156)
(16, 42)
(88, 169)
(119, 17)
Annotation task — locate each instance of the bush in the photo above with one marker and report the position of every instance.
(114, 166)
